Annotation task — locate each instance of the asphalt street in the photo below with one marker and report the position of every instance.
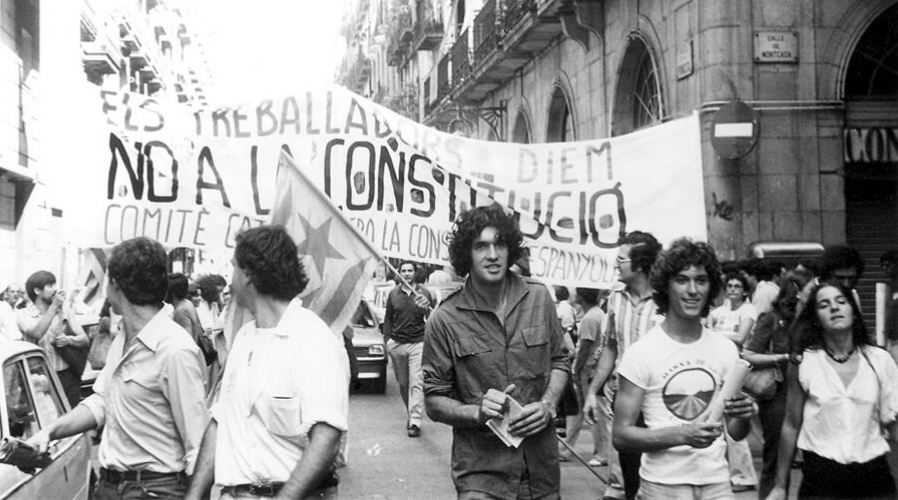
(385, 464)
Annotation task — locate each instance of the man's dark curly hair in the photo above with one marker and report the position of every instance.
(644, 250)
(178, 285)
(268, 256)
(471, 223)
(682, 254)
(139, 268)
(208, 286)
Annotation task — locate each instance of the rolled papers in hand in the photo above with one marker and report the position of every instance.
(731, 387)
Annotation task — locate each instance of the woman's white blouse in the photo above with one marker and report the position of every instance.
(842, 423)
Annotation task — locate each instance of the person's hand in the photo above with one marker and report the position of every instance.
(591, 408)
(701, 435)
(777, 493)
(494, 404)
(742, 406)
(58, 301)
(421, 301)
(40, 441)
(533, 418)
(63, 341)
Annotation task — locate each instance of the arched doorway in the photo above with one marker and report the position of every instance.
(637, 98)
(521, 131)
(560, 127)
(870, 149)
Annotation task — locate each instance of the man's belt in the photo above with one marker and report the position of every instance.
(112, 476)
(272, 489)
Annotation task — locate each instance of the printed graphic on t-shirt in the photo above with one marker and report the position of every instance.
(688, 392)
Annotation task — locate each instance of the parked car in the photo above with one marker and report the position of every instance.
(368, 347)
(33, 399)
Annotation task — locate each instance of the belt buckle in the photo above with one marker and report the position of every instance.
(262, 489)
(115, 477)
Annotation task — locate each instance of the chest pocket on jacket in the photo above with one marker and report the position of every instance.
(470, 346)
(538, 347)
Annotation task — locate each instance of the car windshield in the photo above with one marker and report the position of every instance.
(363, 316)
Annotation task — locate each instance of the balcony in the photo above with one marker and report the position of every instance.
(506, 36)
(443, 83)
(401, 34)
(99, 59)
(486, 34)
(428, 28)
(460, 55)
(356, 75)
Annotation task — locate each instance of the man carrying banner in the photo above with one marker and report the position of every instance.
(495, 339)
(407, 309)
(149, 394)
(671, 375)
(284, 399)
(631, 312)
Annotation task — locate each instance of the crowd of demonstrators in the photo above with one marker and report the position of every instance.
(769, 348)
(583, 366)
(631, 312)
(495, 340)
(408, 305)
(735, 319)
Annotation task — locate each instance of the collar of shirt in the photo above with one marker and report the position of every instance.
(515, 291)
(634, 298)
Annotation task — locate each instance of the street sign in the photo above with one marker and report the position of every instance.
(735, 130)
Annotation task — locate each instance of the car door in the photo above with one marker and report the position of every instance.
(33, 399)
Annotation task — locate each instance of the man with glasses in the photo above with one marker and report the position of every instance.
(631, 313)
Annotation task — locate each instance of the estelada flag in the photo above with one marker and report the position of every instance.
(338, 261)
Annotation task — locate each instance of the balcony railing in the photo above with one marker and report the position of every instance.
(443, 83)
(428, 28)
(461, 59)
(401, 36)
(486, 31)
(514, 11)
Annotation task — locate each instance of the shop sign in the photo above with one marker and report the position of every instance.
(871, 145)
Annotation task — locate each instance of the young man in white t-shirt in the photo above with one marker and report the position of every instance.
(671, 375)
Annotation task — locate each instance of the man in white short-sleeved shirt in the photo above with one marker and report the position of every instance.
(671, 375)
(283, 401)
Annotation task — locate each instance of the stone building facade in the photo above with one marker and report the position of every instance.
(821, 76)
(53, 58)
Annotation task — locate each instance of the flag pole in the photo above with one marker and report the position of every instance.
(329, 203)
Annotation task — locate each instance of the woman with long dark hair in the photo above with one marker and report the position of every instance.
(841, 399)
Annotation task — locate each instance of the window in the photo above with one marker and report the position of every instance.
(873, 70)
(19, 408)
(646, 98)
(47, 400)
(521, 132)
(637, 98)
(561, 124)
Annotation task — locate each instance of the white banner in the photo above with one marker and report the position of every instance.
(195, 178)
